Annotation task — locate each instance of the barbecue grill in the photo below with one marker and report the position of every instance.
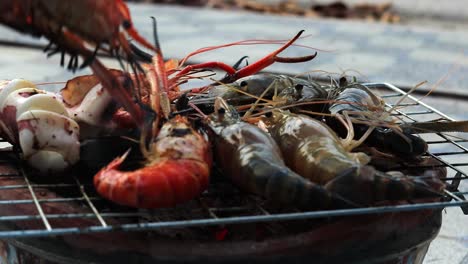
(65, 221)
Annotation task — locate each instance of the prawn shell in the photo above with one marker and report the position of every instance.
(312, 149)
(177, 170)
(252, 160)
(164, 184)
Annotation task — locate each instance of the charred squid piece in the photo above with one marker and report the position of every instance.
(367, 110)
(253, 161)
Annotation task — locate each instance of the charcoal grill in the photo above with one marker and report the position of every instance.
(66, 221)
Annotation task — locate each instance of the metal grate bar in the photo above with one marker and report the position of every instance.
(401, 92)
(90, 204)
(404, 104)
(415, 113)
(235, 220)
(449, 153)
(53, 200)
(36, 202)
(68, 216)
(37, 186)
(442, 141)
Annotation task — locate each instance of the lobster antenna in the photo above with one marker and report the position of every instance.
(155, 35)
(141, 55)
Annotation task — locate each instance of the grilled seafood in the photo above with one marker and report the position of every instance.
(177, 155)
(172, 145)
(316, 153)
(313, 149)
(177, 170)
(253, 161)
(271, 88)
(48, 127)
(38, 122)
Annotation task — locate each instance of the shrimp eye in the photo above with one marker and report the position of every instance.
(127, 83)
(299, 87)
(343, 82)
(221, 111)
(126, 24)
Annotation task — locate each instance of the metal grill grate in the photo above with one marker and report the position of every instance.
(73, 207)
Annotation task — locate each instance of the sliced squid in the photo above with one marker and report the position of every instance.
(92, 108)
(45, 101)
(49, 141)
(39, 123)
(7, 87)
(10, 105)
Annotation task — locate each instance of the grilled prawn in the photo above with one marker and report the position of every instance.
(253, 161)
(315, 152)
(313, 149)
(177, 170)
(279, 89)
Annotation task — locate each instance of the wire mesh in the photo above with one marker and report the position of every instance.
(34, 207)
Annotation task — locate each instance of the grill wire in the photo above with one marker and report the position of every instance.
(96, 215)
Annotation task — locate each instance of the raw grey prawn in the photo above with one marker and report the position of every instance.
(270, 88)
(315, 152)
(253, 161)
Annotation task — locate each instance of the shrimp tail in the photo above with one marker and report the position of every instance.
(368, 186)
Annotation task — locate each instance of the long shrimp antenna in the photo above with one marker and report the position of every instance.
(254, 105)
(247, 42)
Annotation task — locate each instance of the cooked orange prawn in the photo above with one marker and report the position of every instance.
(177, 170)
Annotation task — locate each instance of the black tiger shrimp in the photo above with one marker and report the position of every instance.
(253, 161)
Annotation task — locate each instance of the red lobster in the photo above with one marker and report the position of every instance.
(68, 25)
